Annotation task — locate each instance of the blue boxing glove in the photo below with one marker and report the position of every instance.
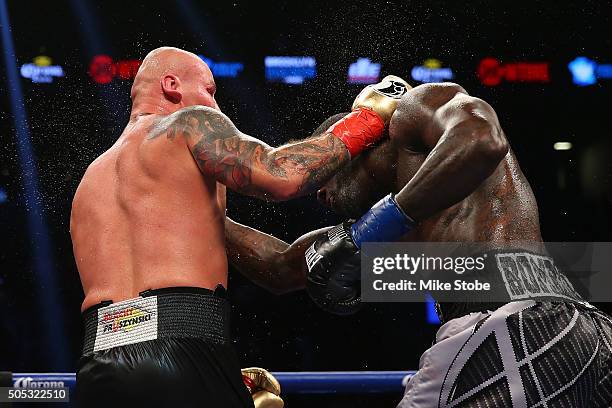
(334, 263)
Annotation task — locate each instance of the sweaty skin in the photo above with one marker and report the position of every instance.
(449, 163)
(149, 212)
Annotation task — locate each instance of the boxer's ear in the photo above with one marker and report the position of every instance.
(171, 86)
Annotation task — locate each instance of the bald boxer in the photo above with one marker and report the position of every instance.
(147, 227)
(446, 174)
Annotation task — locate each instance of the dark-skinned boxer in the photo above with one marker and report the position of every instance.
(446, 174)
(147, 227)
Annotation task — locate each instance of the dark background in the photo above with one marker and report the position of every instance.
(73, 120)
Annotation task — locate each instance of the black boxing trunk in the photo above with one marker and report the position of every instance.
(166, 348)
(516, 275)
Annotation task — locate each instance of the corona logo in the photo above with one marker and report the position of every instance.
(41, 70)
(431, 71)
(29, 382)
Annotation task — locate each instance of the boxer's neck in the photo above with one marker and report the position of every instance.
(148, 105)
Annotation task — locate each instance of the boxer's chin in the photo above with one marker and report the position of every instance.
(345, 208)
(339, 210)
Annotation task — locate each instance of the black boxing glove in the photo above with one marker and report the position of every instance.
(334, 271)
(334, 262)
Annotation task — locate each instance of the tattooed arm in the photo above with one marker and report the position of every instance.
(267, 261)
(248, 165)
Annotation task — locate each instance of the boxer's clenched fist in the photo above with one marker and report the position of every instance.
(334, 262)
(333, 280)
(264, 388)
(382, 97)
(372, 111)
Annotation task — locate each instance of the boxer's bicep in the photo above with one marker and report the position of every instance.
(220, 149)
(417, 123)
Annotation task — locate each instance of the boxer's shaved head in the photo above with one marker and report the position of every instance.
(174, 77)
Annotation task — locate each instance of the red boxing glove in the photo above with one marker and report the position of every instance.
(358, 130)
(372, 110)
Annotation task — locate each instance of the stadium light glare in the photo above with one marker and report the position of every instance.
(48, 297)
(562, 146)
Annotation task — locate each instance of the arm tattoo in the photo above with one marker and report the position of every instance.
(250, 166)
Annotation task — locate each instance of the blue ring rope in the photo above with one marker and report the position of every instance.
(298, 382)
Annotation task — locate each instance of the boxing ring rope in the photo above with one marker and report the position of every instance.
(297, 382)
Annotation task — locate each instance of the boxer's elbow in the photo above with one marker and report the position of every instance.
(493, 146)
(285, 194)
(284, 190)
(479, 125)
(488, 141)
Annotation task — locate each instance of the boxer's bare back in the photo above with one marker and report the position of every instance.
(145, 217)
(149, 212)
